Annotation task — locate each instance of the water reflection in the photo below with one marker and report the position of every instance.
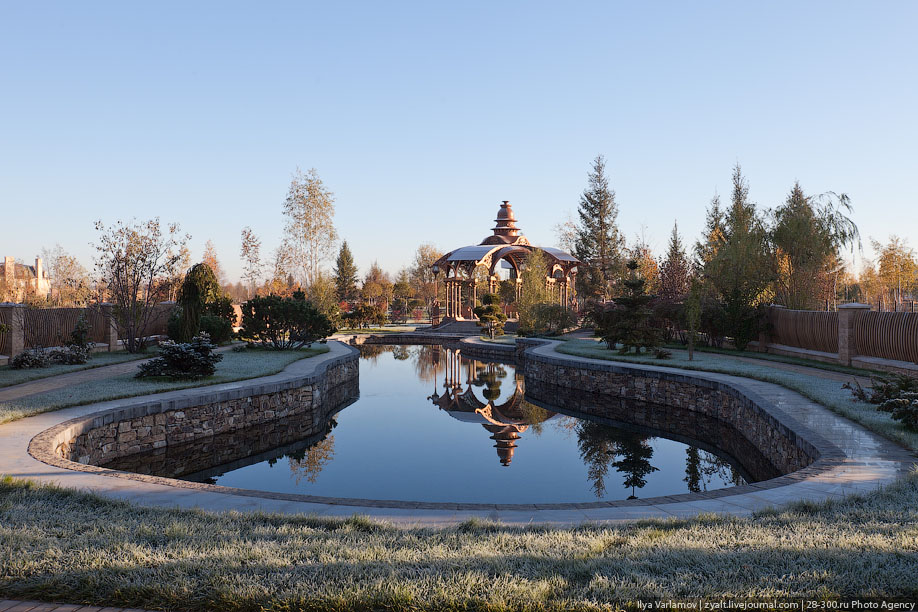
(506, 421)
(391, 444)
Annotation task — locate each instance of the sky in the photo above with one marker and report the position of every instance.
(421, 117)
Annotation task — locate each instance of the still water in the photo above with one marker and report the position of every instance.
(432, 425)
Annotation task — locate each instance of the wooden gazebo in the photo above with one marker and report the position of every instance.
(469, 268)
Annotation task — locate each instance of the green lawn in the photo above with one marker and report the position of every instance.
(827, 392)
(60, 545)
(234, 366)
(9, 376)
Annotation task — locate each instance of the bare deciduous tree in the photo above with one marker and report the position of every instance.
(132, 261)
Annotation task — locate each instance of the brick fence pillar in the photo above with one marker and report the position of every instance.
(846, 344)
(15, 317)
(111, 331)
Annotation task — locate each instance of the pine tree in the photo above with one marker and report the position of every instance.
(674, 273)
(599, 243)
(345, 275)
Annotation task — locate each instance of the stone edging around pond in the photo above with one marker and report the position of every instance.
(845, 470)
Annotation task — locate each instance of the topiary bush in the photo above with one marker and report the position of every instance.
(182, 361)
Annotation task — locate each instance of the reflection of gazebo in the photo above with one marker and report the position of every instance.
(505, 421)
(508, 245)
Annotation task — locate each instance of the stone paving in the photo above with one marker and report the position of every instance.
(864, 462)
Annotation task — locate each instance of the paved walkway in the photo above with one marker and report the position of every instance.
(52, 383)
(9, 605)
(859, 462)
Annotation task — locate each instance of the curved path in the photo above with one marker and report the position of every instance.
(860, 462)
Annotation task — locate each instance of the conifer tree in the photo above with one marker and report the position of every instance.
(599, 243)
(741, 270)
(630, 322)
(345, 274)
(674, 272)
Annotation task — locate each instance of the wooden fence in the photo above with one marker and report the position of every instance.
(47, 327)
(44, 327)
(814, 330)
(888, 335)
(4, 336)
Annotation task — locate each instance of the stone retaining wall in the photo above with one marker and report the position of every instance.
(146, 426)
(787, 450)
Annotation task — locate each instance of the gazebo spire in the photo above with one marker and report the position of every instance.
(506, 222)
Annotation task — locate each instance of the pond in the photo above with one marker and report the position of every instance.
(432, 425)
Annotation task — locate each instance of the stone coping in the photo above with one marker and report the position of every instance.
(853, 460)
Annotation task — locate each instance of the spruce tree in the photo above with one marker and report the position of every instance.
(675, 272)
(599, 243)
(345, 275)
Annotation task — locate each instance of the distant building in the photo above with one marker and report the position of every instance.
(19, 281)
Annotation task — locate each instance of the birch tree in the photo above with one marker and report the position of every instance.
(309, 230)
(251, 259)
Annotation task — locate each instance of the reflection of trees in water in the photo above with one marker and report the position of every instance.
(427, 361)
(371, 352)
(601, 444)
(701, 467)
(308, 463)
(401, 353)
(535, 416)
(489, 376)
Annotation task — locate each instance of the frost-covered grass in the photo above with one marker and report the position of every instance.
(9, 376)
(505, 339)
(824, 391)
(61, 545)
(234, 366)
(809, 363)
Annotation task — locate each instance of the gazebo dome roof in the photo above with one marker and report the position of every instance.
(506, 242)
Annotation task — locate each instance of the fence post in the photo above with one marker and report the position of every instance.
(15, 315)
(846, 343)
(111, 333)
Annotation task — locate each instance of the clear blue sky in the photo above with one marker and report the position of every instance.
(421, 117)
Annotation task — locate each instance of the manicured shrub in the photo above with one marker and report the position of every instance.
(490, 315)
(72, 354)
(219, 329)
(32, 358)
(184, 361)
(903, 408)
(283, 323)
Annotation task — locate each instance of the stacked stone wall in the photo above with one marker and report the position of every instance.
(149, 426)
(548, 378)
